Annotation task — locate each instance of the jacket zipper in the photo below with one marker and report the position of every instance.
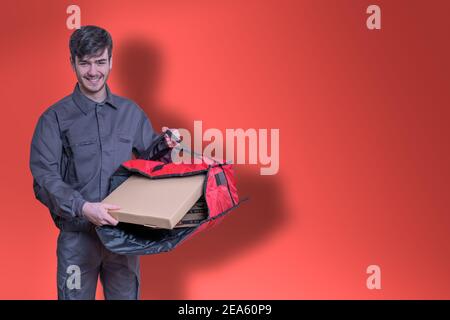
(101, 155)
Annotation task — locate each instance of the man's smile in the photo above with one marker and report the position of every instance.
(94, 81)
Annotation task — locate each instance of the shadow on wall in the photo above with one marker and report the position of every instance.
(165, 276)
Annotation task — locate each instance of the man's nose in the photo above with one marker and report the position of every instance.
(92, 71)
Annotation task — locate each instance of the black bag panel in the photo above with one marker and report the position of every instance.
(133, 239)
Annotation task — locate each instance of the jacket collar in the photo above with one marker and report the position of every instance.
(86, 104)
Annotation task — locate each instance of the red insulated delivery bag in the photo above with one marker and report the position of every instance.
(219, 194)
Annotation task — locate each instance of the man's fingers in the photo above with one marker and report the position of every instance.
(105, 216)
(110, 220)
(106, 222)
(175, 134)
(172, 139)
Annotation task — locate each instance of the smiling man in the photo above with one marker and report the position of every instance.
(92, 74)
(78, 144)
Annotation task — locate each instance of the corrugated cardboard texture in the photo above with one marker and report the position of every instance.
(158, 203)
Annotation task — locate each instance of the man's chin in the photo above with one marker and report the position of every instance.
(93, 89)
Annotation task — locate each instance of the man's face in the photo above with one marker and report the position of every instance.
(92, 72)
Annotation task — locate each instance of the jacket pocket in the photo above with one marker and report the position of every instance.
(123, 147)
(83, 161)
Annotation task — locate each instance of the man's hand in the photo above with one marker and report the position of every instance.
(173, 140)
(97, 213)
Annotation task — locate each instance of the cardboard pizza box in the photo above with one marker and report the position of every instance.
(159, 203)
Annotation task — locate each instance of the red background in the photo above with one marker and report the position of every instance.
(363, 118)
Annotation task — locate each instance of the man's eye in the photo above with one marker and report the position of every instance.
(101, 62)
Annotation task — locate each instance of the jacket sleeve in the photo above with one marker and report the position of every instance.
(148, 144)
(45, 164)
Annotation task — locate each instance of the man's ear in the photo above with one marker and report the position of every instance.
(110, 62)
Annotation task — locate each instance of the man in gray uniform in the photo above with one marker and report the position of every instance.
(77, 145)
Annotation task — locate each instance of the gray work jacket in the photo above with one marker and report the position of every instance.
(76, 147)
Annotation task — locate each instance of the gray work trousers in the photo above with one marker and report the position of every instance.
(82, 258)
